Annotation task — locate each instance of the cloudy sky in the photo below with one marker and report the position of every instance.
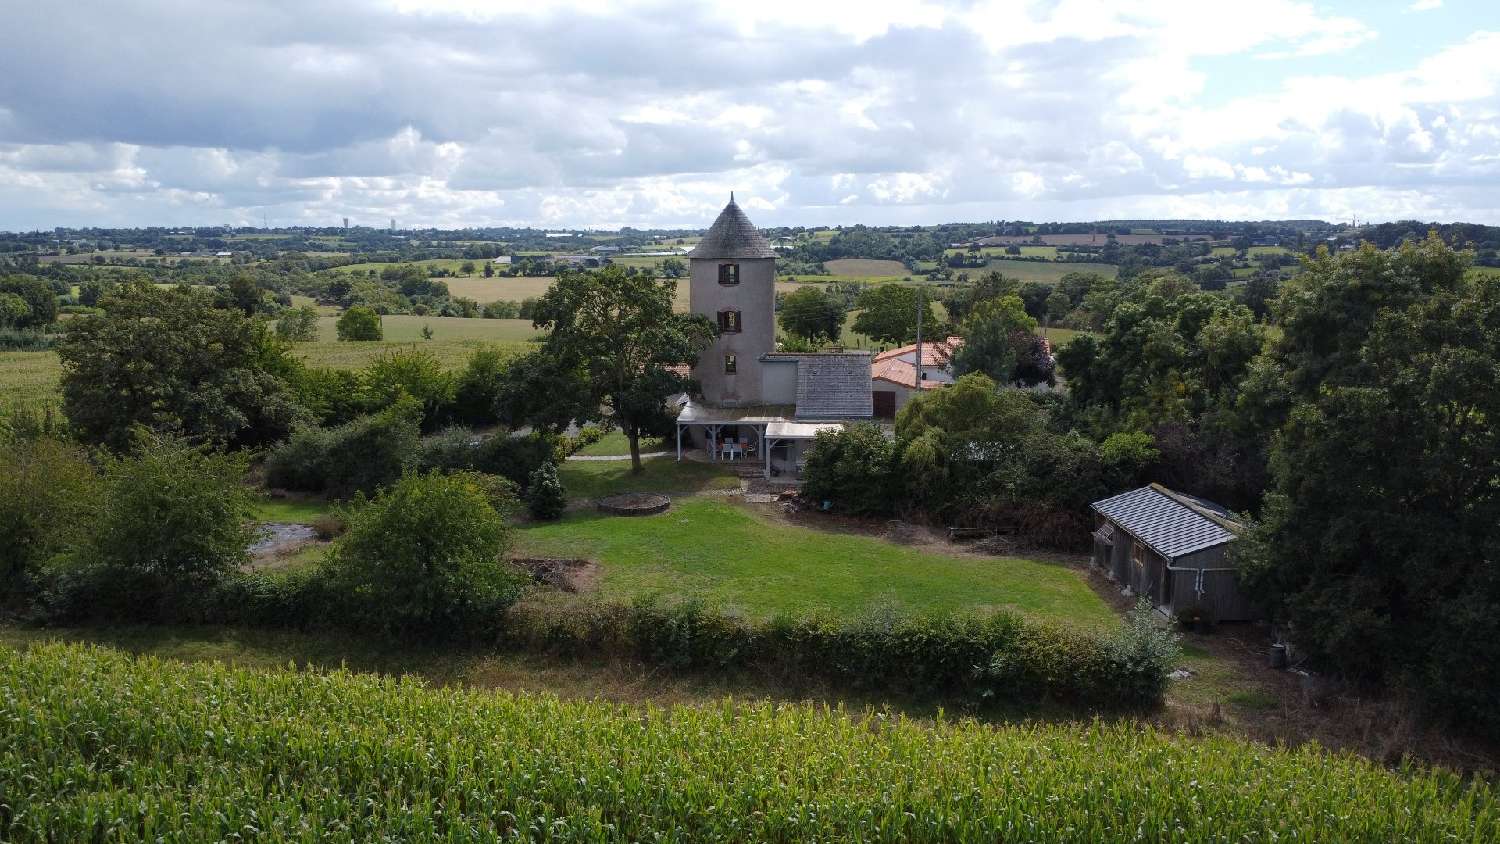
(606, 113)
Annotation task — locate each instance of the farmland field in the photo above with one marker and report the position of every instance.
(846, 269)
(157, 749)
(725, 553)
(485, 290)
(29, 380)
(1045, 272)
(453, 339)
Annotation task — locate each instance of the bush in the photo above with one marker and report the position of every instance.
(24, 339)
(984, 661)
(299, 325)
(357, 456)
(478, 387)
(855, 468)
(422, 559)
(510, 457)
(172, 521)
(359, 323)
(413, 373)
(544, 493)
(48, 490)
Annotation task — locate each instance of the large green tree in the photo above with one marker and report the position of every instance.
(997, 333)
(169, 360)
(888, 314)
(812, 315)
(1378, 546)
(1174, 361)
(40, 301)
(619, 332)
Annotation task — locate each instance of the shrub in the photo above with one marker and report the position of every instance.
(357, 456)
(510, 457)
(422, 558)
(329, 526)
(359, 323)
(299, 325)
(855, 468)
(986, 661)
(332, 396)
(47, 492)
(413, 373)
(172, 521)
(544, 493)
(24, 339)
(478, 387)
(568, 446)
(1142, 655)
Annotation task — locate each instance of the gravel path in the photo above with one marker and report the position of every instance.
(616, 456)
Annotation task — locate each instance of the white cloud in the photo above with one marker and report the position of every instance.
(1425, 5)
(460, 112)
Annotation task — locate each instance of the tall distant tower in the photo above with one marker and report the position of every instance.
(393, 225)
(734, 284)
(346, 224)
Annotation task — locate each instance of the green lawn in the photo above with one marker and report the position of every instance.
(615, 443)
(590, 479)
(289, 511)
(726, 553)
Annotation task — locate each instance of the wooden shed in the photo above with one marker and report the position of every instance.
(1173, 549)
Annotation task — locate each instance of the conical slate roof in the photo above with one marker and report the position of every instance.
(732, 236)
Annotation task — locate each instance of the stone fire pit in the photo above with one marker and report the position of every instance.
(635, 504)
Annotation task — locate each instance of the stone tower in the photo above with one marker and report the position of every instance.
(734, 285)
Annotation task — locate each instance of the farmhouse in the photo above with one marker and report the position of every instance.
(893, 373)
(1172, 549)
(757, 403)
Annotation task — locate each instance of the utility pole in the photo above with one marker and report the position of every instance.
(921, 300)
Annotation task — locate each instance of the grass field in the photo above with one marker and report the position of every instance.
(102, 746)
(590, 479)
(485, 290)
(1045, 272)
(453, 340)
(29, 380)
(865, 269)
(728, 554)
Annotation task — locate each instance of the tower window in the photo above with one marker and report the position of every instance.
(729, 364)
(729, 322)
(729, 274)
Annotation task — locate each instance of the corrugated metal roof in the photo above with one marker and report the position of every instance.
(1165, 523)
(732, 236)
(834, 386)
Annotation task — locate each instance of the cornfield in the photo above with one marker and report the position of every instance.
(98, 746)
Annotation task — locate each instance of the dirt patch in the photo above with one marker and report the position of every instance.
(567, 575)
(635, 504)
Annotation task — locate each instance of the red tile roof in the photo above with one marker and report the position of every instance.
(934, 352)
(900, 372)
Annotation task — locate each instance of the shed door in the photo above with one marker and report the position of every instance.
(885, 403)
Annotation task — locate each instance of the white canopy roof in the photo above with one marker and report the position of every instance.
(798, 430)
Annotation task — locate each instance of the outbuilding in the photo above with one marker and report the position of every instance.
(1173, 549)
